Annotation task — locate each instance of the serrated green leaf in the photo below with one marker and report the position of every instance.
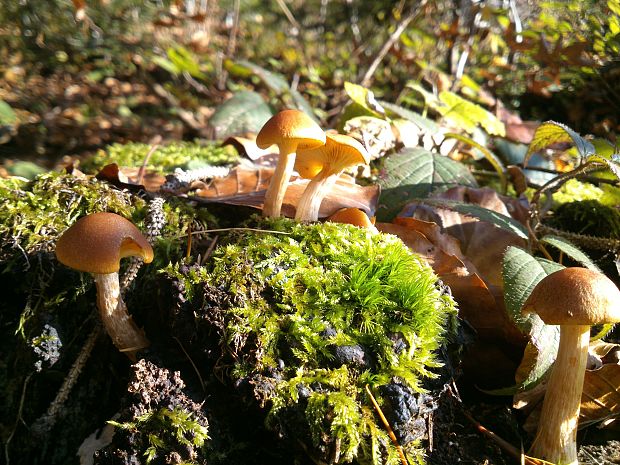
(551, 132)
(469, 114)
(613, 163)
(484, 214)
(571, 250)
(415, 173)
(490, 156)
(425, 124)
(244, 112)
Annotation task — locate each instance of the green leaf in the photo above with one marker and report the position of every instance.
(571, 250)
(490, 156)
(425, 124)
(184, 61)
(7, 115)
(613, 163)
(467, 113)
(484, 214)
(415, 173)
(363, 97)
(551, 132)
(521, 272)
(274, 81)
(245, 111)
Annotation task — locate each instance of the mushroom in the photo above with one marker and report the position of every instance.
(574, 299)
(325, 164)
(290, 130)
(95, 244)
(353, 216)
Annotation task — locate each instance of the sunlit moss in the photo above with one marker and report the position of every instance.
(588, 217)
(314, 314)
(574, 191)
(165, 431)
(165, 158)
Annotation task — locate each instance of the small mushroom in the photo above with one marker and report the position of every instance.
(353, 216)
(95, 244)
(290, 130)
(325, 164)
(574, 299)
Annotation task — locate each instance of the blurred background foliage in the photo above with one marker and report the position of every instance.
(78, 75)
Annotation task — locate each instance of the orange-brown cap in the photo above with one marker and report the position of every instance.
(291, 127)
(339, 152)
(575, 296)
(97, 242)
(353, 216)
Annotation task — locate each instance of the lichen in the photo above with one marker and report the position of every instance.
(308, 315)
(186, 155)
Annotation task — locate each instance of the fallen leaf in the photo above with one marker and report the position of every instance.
(247, 146)
(481, 242)
(125, 177)
(247, 186)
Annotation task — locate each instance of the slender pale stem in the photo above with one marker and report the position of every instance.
(316, 190)
(556, 440)
(125, 334)
(279, 181)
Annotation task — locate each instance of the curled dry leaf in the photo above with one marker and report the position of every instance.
(126, 177)
(246, 187)
(600, 401)
(481, 242)
(247, 146)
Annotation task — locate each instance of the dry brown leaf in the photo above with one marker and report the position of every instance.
(247, 146)
(246, 187)
(481, 242)
(126, 177)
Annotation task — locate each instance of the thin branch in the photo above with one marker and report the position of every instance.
(394, 36)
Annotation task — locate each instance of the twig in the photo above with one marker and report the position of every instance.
(45, 423)
(394, 36)
(512, 450)
(584, 240)
(17, 420)
(232, 44)
(202, 384)
(289, 15)
(155, 146)
(390, 432)
(205, 231)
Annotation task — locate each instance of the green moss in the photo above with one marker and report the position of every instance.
(166, 431)
(33, 214)
(588, 217)
(186, 155)
(574, 191)
(313, 315)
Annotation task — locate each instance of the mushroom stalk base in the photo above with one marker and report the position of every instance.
(125, 334)
(274, 196)
(310, 201)
(556, 439)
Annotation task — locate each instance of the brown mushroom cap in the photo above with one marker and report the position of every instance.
(339, 152)
(291, 126)
(97, 242)
(575, 296)
(353, 216)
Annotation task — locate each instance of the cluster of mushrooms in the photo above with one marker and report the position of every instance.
(573, 298)
(304, 147)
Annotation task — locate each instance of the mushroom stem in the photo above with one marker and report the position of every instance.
(316, 190)
(125, 334)
(556, 440)
(279, 181)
